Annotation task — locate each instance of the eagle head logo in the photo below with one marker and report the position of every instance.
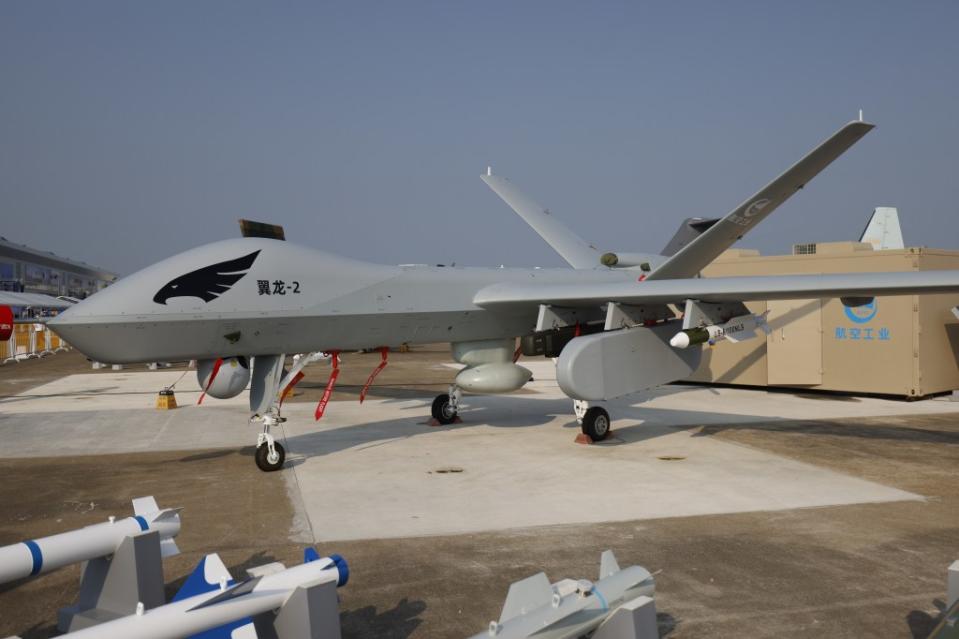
(209, 282)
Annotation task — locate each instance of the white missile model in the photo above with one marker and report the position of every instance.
(230, 609)
(735, 330)
(571, 608)
(38, 556)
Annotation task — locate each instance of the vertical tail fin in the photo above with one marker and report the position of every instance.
(883, 230)
(577, 252)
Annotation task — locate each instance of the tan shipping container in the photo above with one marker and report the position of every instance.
(906, 346)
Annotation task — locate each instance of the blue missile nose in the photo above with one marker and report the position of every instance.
(343, 568)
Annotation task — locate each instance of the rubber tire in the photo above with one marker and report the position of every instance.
(439, 411)
(596, 424)
(261, 457)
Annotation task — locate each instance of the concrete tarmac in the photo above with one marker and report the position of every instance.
(839, 524)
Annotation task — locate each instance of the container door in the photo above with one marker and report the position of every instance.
(794, 346)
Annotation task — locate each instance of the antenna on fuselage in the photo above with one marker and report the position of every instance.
(249, 228)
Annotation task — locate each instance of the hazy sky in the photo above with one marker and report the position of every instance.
(130, 131)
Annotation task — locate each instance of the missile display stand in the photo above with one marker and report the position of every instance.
(311, 612)
(635, 619)
(118, 585)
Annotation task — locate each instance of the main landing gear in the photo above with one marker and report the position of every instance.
(270, 384)
(593, 420)
(446, 406)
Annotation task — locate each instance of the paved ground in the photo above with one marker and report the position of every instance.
(783, 569)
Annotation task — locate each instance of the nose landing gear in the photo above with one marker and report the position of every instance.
(270, 453)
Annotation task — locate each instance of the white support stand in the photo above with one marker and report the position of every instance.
(117, 367)
(33, 346)
(635, 619)
(47, 342)
(952, 590)
(311, 612)
(114, 586)
(98, 365)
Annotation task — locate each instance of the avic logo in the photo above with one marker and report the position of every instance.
(862, 314)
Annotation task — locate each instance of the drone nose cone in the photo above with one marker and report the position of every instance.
(83, 327)
(63, 318)
(65, 325)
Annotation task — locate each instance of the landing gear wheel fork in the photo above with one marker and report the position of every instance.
(593, 420)
(445, 407)
(270, 453)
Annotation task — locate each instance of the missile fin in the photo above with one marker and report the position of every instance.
(264, 570)
(168, 548)
(526, 595)
(735, 338)
(235, 592)
(205, 577)
(144, 506)
(167, 513)
(608, 564)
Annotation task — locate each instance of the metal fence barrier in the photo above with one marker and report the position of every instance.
(30, 341)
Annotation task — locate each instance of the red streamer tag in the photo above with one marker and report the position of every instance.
(325, 399)
(384, 353)
(289, 387)
(6, 323)
(216, 369)
(519, 351)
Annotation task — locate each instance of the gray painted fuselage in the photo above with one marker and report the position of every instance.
(342, 304)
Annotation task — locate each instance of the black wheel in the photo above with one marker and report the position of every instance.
(266, 463)
(442, 410)
(596, 423)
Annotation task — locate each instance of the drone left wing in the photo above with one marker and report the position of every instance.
(719, 289)
(632, 354)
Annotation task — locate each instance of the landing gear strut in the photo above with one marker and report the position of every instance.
(446, 406)
(270, 383)
(593, 420)
(270, 453)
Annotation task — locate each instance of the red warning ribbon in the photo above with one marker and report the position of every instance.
(519, 351)
(325, 399)
(216, 369)
(289, 387)
(384, 353)
(6, 323)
